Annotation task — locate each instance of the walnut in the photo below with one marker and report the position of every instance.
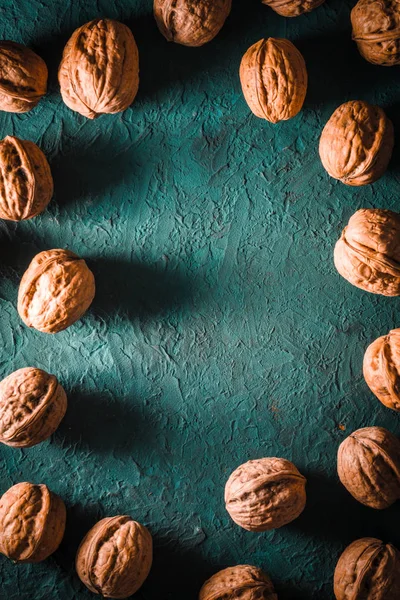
(243, 582)
(274, 79)
(376, 30)
(55, 291)
(368, 252)
(368, 570)
(265, 494)
(32, 522)
(382, 369)
(23, 77)
(115, 557)
(292, 8)
(356, 143)
(99, 71)
(191, 22)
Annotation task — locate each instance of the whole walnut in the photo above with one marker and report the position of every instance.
(368, 252)
(115, 557)
(265, 494)
(99, 71)
(32, 522)
(369, 466)
(274, 79)
(191, 22)
(376, 29)
(26, 184)
(23, 78)
(382, 369)
(243, 582)
(368, 570)
(55, 291)
(292, 8)
(356, 143)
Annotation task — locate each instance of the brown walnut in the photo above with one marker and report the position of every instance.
(356, 143)
(292, 8)
(191, 22)
(32, 522)
(382, 369)
(243, 582)
(55, 291)
(115, 557)
(274, 79)
(99, 71)
(376, 30)
(369, 466)
(23, 77)
(265, 494)
(368, 252)
(368, 570)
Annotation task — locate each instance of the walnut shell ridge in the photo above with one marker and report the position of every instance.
(242, 582)
(381, 369)
(376, 30)
(274, 79)
(115, 557)
(292, 8)
(368, 251)
(191, 22)
(32, 522)
(357, 143)
(265, 494)
(23, 77)
(368, 570)
(99, 71)
(55, 291)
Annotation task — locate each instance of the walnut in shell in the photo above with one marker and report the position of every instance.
(243, 582)
(273, 75)
(368, 252)
(382, 369)
(23, 77)
(99, 71)
(191, 22)
(265, 494)
(115, 557)
(368, 570)
(292, 8)
(32, 522)
(376, 30)
(55, 291)
(369, 466)
(356, 143)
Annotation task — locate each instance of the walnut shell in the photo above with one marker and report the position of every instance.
(23, 77)
(191, 22)
(368, 570)
(274, 79)
(55, 291)
(99, 71)
(292, 8)
(26, 184)
(32, 522)
(115, 557)
(369, 466)
(382, 369)
(376, 30)
(265, 494)
(243, 582)
(368, 252)
(356, 143)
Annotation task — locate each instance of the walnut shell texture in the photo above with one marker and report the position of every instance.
(357, 143)
(191, 22)
(23, 77)
(242, 582)
(99, 71)
(376, 30)
(115, 557)
(32, 522)
(26, 184)
(381, 369)
(55, 291)
(369, 466)
(368, 252)
(292, 8)
(368, 570)
(265, 494)
(274, 79)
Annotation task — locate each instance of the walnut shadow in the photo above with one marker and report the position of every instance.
(392, 110)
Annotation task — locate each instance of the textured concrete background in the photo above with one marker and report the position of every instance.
(220, 331)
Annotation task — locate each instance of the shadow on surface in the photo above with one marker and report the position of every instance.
(80, 518)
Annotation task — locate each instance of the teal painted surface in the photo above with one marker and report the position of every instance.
(220, 331)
